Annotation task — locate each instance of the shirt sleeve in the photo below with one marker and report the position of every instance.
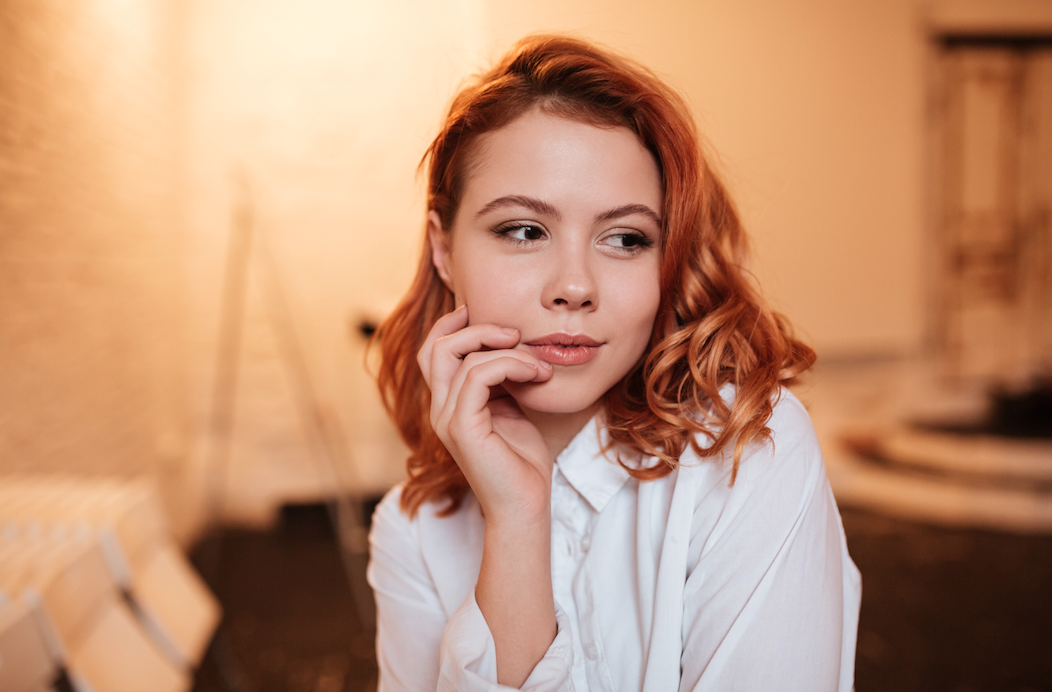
(419, 649)
(772, 601)
(469, 656)
(409, 615)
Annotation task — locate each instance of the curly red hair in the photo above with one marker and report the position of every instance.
(712, 328)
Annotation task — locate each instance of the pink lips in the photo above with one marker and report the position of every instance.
(564, 349)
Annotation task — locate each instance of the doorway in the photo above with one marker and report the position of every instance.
(992, 273)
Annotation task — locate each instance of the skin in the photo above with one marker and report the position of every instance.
(557, 234)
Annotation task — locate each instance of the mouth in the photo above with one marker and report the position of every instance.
(564, 349)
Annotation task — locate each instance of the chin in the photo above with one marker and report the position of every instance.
(550, 397)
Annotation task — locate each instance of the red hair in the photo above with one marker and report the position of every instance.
(711, 328)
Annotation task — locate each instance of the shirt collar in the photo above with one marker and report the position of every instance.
(593, 474)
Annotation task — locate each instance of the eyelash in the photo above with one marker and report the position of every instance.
(642, 241)
(507, 229)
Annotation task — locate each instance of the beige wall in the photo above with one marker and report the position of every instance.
(815, 109)
(88, 321)
(126, 127)
(324, 107)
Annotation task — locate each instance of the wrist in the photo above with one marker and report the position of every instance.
(519, 520)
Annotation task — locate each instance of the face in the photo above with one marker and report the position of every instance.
(558, 235)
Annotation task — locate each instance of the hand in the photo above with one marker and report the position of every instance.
(503, 456)
(506, 461)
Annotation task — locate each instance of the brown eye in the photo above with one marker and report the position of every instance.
(631, 241)
(522, 232)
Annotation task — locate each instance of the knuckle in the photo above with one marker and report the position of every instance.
(475, 375)
(437, 346)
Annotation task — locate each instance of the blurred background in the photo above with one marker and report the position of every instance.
(206, 204)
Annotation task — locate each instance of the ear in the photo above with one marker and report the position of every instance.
(441, 252)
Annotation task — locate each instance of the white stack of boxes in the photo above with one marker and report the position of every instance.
(94, 594)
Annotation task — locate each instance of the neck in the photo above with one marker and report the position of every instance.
(558, 429)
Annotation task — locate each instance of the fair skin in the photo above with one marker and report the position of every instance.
(554, 261)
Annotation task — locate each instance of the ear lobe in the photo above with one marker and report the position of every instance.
(441, 255)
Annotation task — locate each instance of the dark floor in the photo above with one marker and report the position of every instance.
(942, 609)
(951, 609)
(290, 622)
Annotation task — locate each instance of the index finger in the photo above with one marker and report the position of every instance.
(447, 324)
(450, 340)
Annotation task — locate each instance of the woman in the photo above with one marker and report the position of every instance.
(609, 487)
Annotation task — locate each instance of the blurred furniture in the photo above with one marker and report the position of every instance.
(95, 560)
(29, 659)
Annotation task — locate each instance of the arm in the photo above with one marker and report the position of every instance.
(772, 602)
(507, 464)
(514, 593)
(422, 572)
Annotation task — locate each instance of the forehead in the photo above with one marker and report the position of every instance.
(563, 162)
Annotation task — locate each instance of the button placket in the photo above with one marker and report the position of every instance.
(567, 506)
(591, 637)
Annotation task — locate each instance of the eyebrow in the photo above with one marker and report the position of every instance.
(541, 207)
(629, 210)
(535, 205)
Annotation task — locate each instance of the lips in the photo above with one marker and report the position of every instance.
(564, 349)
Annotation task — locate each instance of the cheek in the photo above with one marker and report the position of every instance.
(637, 303)
(493, 295)
(643, 325)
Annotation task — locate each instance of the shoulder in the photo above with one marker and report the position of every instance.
(783, 476)
(783, 472)
(793, 444)
(780, 491)
(388, 509)
(391, 525)
(394, 537)
(791, 428)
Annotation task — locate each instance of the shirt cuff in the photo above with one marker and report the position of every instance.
(468, 660)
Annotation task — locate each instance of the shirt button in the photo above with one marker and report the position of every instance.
(591, 651)
(586, 543)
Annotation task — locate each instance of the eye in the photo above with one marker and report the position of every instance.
(520, 231)
(628, 241)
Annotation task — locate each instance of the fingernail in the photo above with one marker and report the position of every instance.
(546, 365)
(509, 330)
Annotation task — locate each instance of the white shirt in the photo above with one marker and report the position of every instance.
(682, 583)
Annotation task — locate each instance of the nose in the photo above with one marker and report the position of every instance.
(571, 282)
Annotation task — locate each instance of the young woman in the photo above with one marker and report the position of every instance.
(609, 487)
